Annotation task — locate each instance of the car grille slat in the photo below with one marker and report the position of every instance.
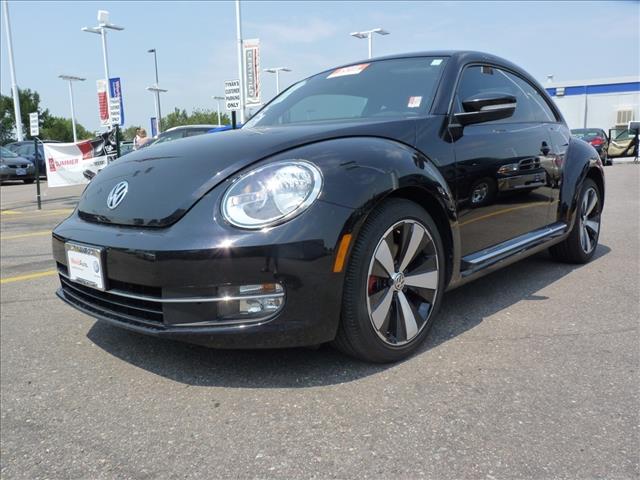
(119, 316)
(120, 301)
(126, 309)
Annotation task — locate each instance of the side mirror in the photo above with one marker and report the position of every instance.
(486, 107)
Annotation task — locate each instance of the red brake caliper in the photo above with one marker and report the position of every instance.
(373, 283)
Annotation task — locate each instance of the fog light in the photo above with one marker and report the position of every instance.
(262, 300)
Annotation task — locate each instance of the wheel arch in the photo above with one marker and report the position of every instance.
(582, 161)
(433, 207)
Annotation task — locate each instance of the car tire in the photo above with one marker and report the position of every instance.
(29, 181)
(385, 317)
(581, 244)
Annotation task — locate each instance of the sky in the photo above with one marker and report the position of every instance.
(196, 43)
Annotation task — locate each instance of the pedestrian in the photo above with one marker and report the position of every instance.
(141, 139)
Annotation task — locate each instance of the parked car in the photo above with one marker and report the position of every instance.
(597, 138)
(176, 133)
(14, 167)
(335, 214)
(126, 147)
(26, 149)
(624, 142)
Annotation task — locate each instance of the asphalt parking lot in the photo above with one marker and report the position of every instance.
(531, 372)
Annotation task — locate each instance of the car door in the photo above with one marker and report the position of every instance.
(503, 188)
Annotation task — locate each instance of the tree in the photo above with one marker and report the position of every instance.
(129, 133)
(179, 117)
(58, 128)
(29, 103)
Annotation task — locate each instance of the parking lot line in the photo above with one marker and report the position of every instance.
(14, 214)
(27, 276)
(25, 235)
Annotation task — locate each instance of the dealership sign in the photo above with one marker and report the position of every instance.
(68, 163)
(115, 87)
(232, 95)
(109, 114)
(251, 57)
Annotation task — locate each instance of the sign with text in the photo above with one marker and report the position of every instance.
(34, 124)
(154, 126)
(232, 95)
(251, 49)
(114, 111)
(74, 163)
(115, 90)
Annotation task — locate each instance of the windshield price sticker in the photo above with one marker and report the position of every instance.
(352, 70)
(435, 62)
(414, 102)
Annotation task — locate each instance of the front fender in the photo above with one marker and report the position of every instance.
(360, 172)
(581, 160)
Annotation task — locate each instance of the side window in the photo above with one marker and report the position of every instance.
(25, 150)
(531, 106)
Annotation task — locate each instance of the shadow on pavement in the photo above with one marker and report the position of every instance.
(461, 310)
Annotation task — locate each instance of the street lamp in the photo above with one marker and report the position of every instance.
(217, 99)
(368, 34)
(157, 90)
(12, 70)
(71, 79)
(101, 29)
(277, 71)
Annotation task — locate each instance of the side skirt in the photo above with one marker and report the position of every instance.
(491, 259)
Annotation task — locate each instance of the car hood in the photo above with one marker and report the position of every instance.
(166, 180)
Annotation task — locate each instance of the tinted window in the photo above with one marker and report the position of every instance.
(25, 150)
(531, 106)
(192, 132)
(169, 136)
(387, 88)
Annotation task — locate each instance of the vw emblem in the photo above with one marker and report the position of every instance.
(117, 194)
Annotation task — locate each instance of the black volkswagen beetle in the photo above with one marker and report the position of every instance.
(341, 212)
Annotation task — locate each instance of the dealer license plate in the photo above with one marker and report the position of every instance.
(85, 265)
(21, 171)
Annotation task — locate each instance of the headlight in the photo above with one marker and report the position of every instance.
(271, 194)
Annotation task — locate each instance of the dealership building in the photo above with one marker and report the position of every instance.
(600, 103)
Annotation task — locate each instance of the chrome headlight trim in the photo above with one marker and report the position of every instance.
(310, 198)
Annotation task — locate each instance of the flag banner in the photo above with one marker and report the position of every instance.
(103, 104)
(115, 88)
(77, 163)
(252, 71)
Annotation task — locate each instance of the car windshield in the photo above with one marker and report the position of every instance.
(586, 133)
(396, 88)
(6, 153)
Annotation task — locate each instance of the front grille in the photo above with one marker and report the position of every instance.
(129, 310)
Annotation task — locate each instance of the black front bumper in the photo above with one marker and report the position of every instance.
(194, 258)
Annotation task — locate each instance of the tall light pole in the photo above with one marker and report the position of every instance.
(217, 99)
(71, 79)
(157, 90)
(240, 60)
(277, 71)
(368, 34)
(101, 29)
(12, 68)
